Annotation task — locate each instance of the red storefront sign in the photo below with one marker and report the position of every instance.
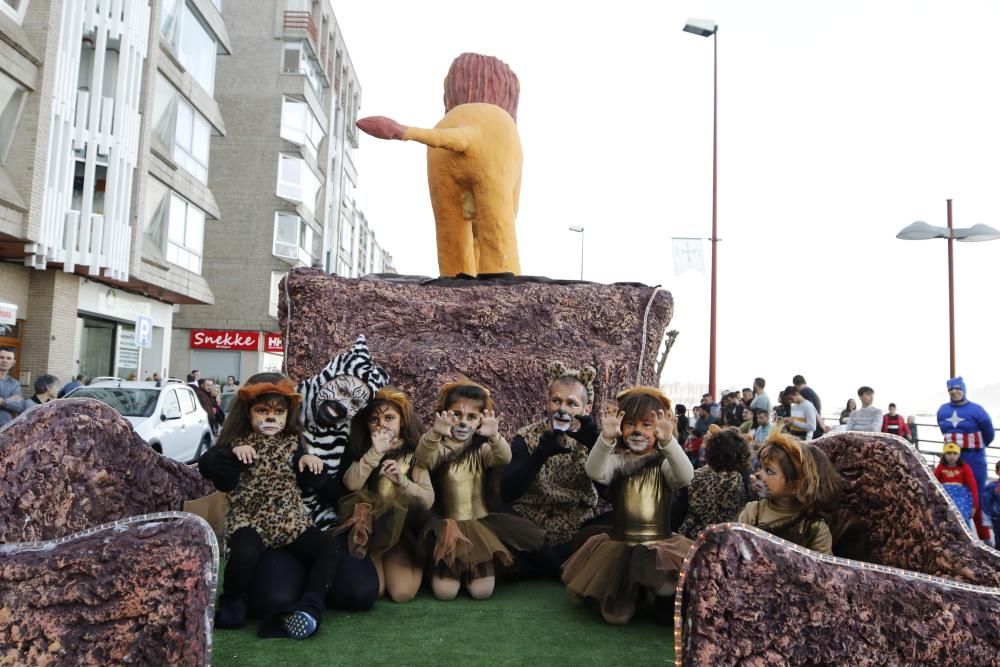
(205, 339)
(273, 343)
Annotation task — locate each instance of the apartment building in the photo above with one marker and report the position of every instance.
(107, 114)
(284, 179)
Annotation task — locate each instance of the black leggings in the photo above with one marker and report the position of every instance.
(280, 577)
(320, 550)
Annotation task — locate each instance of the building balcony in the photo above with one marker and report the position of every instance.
(297, 24)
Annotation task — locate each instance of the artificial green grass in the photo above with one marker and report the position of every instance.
(524, 623)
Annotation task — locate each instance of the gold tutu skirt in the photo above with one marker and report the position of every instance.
(377, 524)
(470, 547)
(605, 568)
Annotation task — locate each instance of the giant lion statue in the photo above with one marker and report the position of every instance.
(473, 166)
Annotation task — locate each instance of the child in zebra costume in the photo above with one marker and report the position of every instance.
(329, 400)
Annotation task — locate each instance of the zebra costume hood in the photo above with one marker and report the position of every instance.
(329, 400)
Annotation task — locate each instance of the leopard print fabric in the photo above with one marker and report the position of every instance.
(267, 497)
(713, 497)
(562, 496)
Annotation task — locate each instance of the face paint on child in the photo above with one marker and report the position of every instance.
(269, 416)
(385, 418)
(639, 435)
(469, 416)
(772, 479)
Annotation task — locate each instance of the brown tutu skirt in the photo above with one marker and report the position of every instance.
(605, 568)
(469, 547)
(376, 524)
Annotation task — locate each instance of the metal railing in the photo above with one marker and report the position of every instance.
(928, 441)
(302, 21)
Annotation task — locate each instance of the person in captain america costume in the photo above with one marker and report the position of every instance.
(968, 425)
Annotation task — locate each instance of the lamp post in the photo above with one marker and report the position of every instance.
(577, 228)
(706, 28)
(920, 231)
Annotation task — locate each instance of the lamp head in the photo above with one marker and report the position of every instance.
(921, 231)
(977, 233)
(702, 27)
(576, 228)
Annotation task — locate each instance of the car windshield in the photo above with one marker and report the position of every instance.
(128, 401)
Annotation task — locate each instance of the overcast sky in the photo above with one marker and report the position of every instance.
(839, 124)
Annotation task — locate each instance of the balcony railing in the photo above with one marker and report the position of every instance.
(298, 22)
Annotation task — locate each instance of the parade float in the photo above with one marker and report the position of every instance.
(98, 565)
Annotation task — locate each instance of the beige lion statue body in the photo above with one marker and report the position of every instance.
(474, 163)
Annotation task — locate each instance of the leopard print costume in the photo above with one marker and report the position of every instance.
(267, 497)
(713, 497)
(562, 496)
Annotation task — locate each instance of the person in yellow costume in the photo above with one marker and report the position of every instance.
(473, 166)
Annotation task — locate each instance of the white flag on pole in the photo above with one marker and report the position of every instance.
(688, 254)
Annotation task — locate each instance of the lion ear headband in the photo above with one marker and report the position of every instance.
(648, 391)
(286, 388)
(394, 396)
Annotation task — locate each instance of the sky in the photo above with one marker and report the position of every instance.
(839, 124)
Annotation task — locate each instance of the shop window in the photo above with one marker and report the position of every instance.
(299, 125)
(11, 101)
(191, 40)
(293, 238)
(297, 181)
(185, 234)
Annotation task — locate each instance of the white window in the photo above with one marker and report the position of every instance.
(14, 8)
(297, 181)
(272, 305)
(191, 40)
(298, 60)
(179, 126)
(192, 141)
(299, 125)
(185, 234)
(11, 100)
(293, 238)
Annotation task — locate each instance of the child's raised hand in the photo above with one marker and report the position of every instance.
(391, 470)
(666, 424)
(245, 454)
(443, 421)
(313, 464)
(382, 440)
(611, 422)
(490, 425)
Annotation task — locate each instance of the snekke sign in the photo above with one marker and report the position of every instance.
(206, 339)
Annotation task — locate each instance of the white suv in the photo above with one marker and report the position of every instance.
(169, 418)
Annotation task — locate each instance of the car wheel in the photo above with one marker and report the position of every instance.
(157, 448)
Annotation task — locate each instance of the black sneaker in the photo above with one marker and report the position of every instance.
(299, 625)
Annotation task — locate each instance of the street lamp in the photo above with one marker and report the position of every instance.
(706, 28)
(921, 231)
(577, 228)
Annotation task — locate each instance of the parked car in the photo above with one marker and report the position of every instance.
(169, 418)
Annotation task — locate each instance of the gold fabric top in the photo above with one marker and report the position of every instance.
(642, 507)
(384, 486)
(460, 487)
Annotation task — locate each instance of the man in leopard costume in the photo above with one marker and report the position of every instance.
(329, 400)
(546, 481)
